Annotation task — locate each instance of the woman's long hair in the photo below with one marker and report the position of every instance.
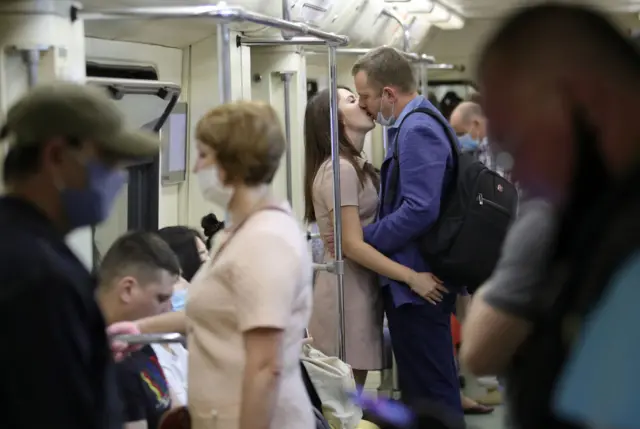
(182, 241)
(317, 147)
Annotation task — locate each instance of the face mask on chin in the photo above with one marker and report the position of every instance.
(468, 143)
(92, 205)
(212, 188)
(380, 119)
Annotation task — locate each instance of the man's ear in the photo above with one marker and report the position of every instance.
(475, 128)
(127, 287)
(53, 154)
(391, 94)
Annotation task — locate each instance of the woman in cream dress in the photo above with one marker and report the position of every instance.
(359, 198)
(250, 304)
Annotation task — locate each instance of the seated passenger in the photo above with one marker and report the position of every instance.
(136, 279)
(470, 125)
(359, 198)
(174, 358)
(248, 306)
(188, 245)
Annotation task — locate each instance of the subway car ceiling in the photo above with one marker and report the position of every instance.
(450, 30)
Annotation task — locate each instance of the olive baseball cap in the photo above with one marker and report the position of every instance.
(64, 109)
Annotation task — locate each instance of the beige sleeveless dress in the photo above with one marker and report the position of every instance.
(362, 300)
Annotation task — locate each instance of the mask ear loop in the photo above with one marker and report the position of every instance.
(393, 105)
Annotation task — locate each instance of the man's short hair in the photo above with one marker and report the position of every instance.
(469, 111)
(138, 254)
(558, 33)
(386, 66)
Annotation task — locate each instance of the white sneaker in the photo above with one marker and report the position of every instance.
(488, 382)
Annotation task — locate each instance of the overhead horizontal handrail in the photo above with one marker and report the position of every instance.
(446, 66)
(427, 59)
(308, 41)
(406, 34)
(118, 88)
(220, 12)
(416, 58)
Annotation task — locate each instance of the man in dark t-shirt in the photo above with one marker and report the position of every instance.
(137, 276)
(66, 149)
(143, 388)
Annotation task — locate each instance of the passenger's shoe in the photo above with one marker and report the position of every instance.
(492, 398)
(488, 382)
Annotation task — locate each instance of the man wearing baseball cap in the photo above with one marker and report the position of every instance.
(65, 165)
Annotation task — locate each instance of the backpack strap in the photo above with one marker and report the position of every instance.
(394, 179)
(311, 389)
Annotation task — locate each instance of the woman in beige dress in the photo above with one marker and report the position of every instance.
(250, 304)
(359, 199)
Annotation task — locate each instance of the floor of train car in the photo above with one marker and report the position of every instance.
(494, 420)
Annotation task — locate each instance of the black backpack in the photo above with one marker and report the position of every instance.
(476, 209)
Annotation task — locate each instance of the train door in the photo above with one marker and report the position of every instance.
(146, 103)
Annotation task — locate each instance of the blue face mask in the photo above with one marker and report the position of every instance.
(468, 143)
(179, 299)
(91, 205)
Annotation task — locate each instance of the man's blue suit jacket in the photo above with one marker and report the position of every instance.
(426, 167)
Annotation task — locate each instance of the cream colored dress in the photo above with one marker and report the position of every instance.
(362, 300)
(262, 278)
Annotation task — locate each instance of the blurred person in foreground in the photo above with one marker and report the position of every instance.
(68, 148)
(560, 87)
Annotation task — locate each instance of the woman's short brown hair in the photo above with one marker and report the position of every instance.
(247, 139)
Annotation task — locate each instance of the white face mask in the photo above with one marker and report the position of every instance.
(212, 189)
(386, 122)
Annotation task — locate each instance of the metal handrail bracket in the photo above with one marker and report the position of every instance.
(219, 11)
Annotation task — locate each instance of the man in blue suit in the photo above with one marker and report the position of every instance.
(420, 331)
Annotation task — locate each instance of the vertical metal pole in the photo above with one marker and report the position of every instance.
(337, 204)
(286, 80)
(424, 82)
(31, 58)
(286, 15)
(224, 62)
